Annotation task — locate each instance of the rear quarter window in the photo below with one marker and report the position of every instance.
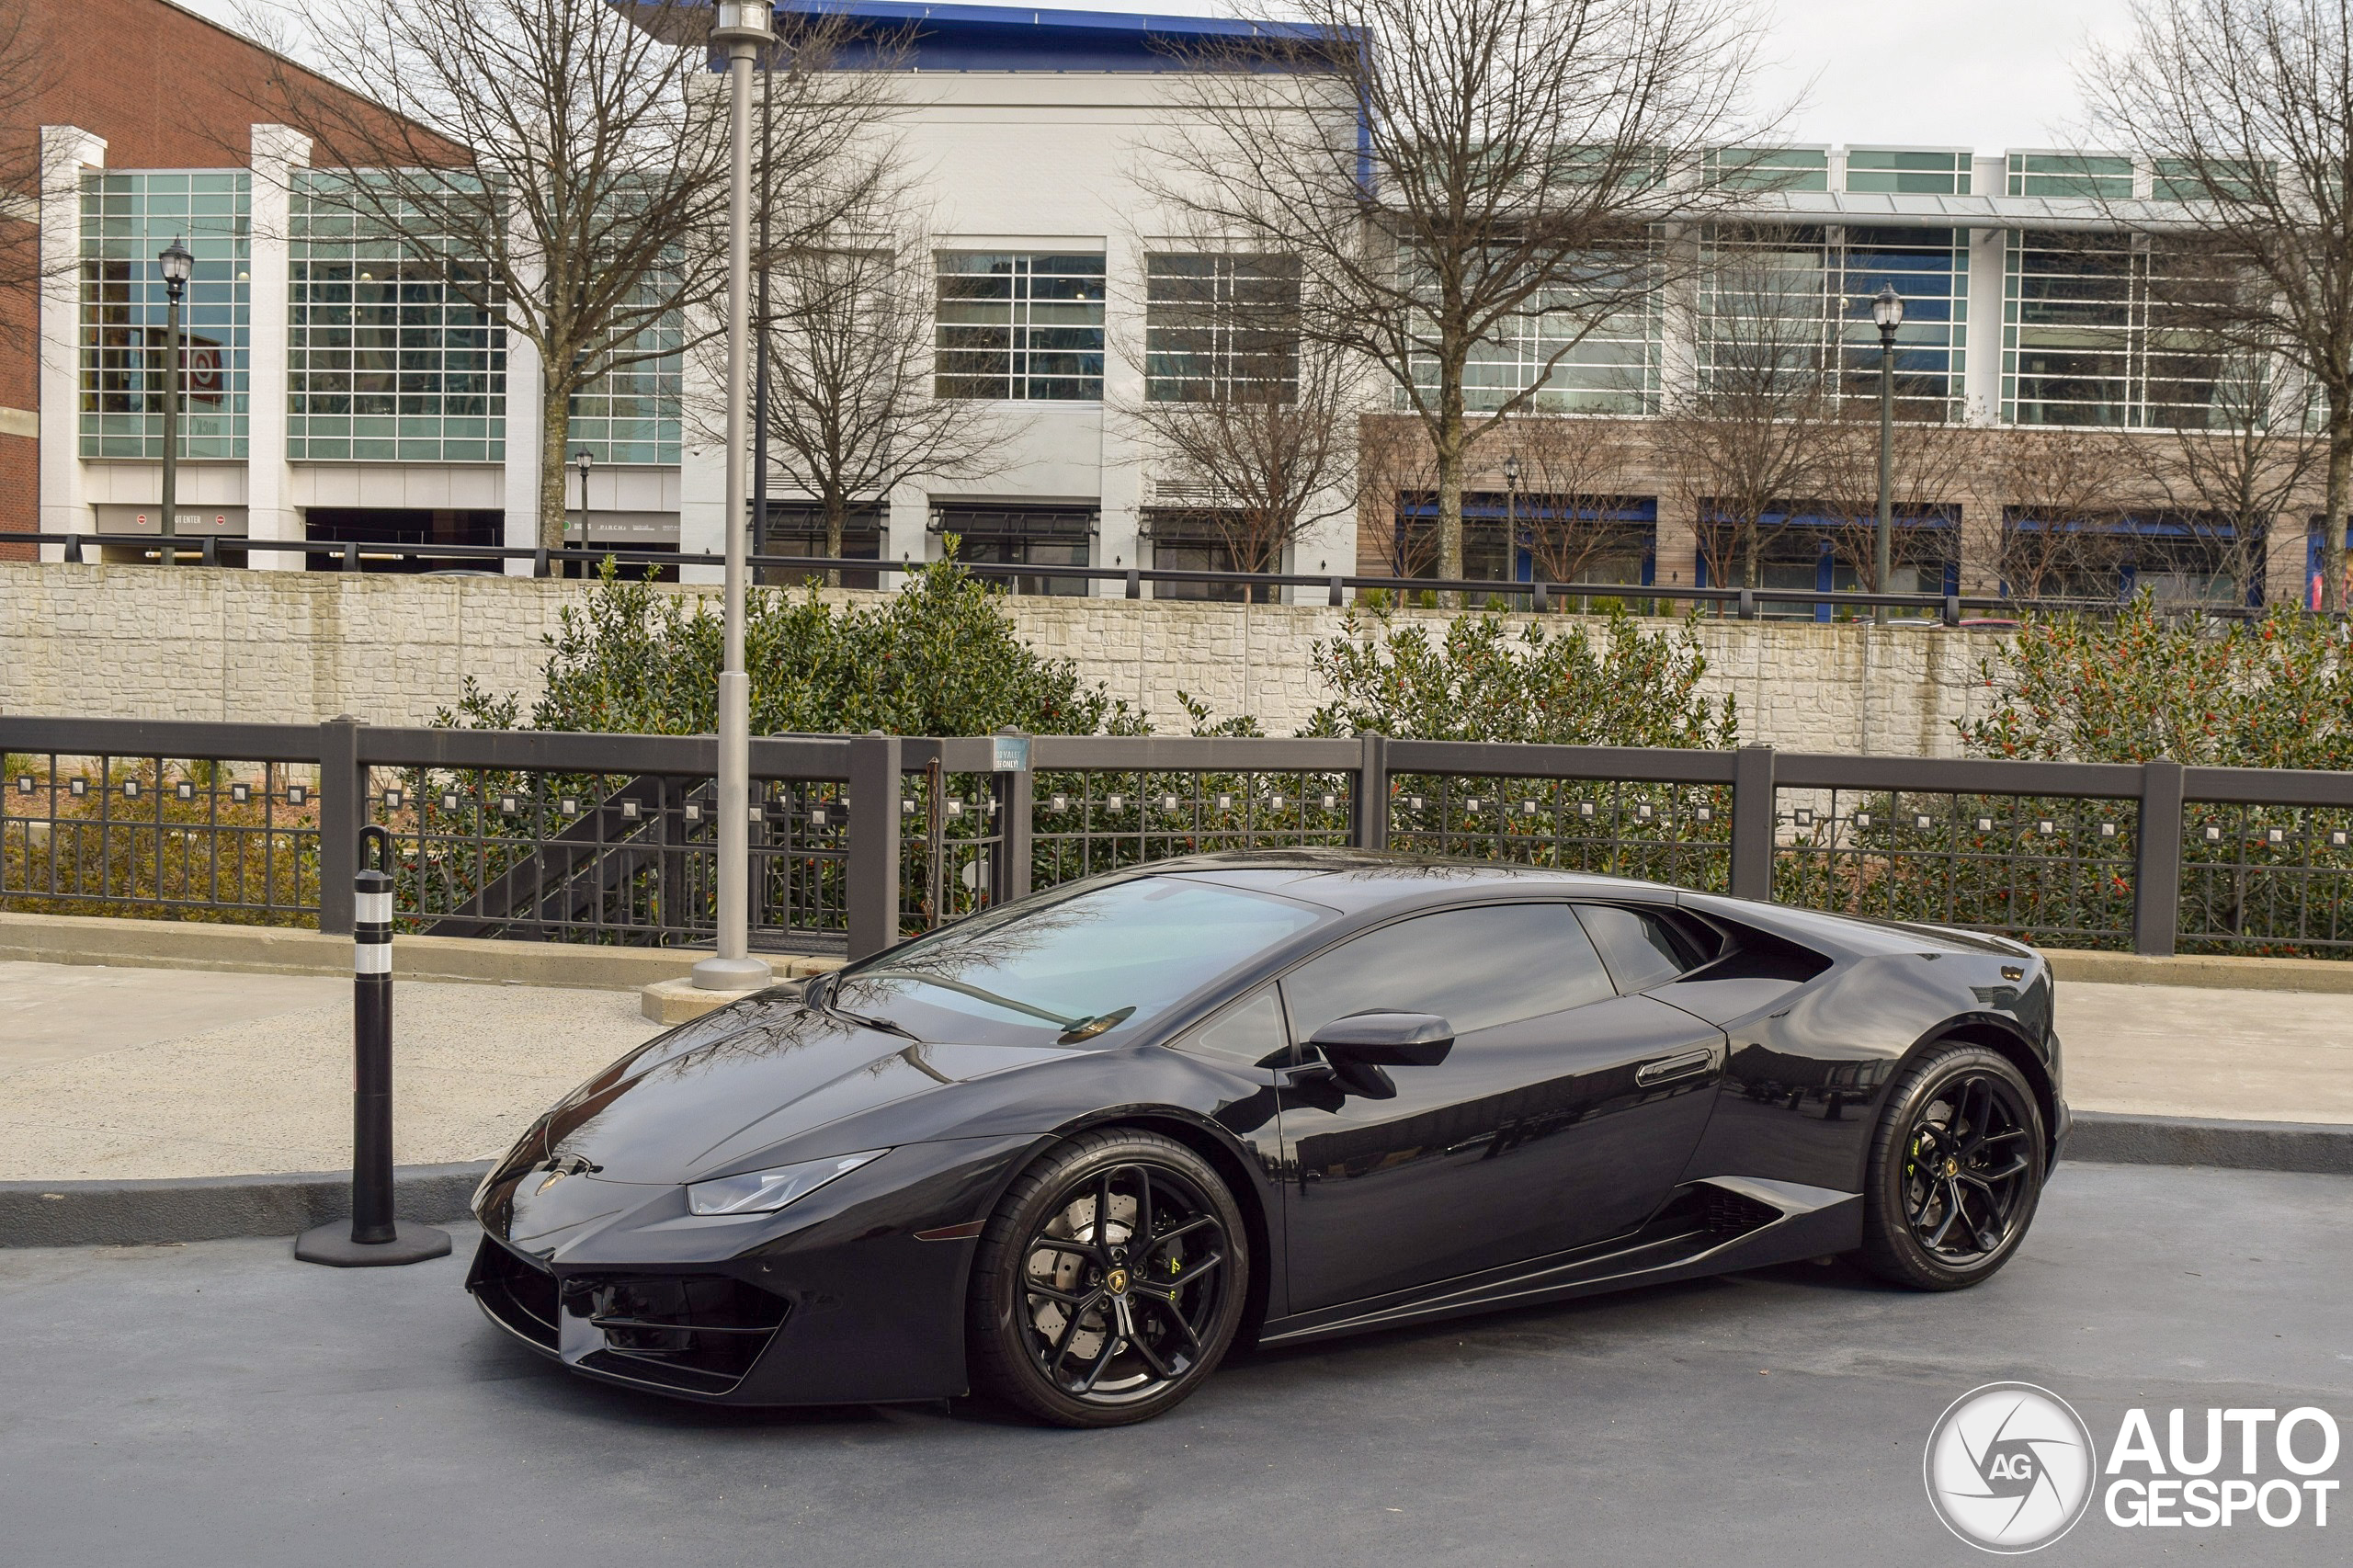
(1640, 948)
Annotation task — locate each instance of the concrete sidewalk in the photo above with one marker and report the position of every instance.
(133, 1074)
(128, 1074)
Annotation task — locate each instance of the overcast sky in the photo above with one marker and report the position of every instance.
(1983, 73)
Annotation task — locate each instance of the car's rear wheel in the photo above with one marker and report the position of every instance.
(1109, 1281)
(1957, 1167)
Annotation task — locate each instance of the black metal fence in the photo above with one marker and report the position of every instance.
(1747, 604)
(859, 840)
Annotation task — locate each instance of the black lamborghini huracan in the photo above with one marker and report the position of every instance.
(1068, 1152)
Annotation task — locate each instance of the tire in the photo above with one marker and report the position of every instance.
(1081, 1324)
(1956, 1172)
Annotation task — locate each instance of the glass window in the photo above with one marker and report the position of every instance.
(1250, 1032)
(2195, 179)
(1023, 536)
(1474, 968)
(1907, 174)
(1025, 975)
(2070, 174)
(1640, 948)
(396, 354)
(633, 414)
(1770, 168)
(1216, 326)
(1577, 363)
(2094, 332)
(1802, 293)
(126, 219)
(1026, 328)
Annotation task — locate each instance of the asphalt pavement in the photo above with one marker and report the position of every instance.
(219, 1404)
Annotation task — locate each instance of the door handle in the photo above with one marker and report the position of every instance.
(1682, 1065)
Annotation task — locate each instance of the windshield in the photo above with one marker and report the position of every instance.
(1093, 965)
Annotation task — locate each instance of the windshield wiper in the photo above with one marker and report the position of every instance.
(815, 994)
(1086, 1026)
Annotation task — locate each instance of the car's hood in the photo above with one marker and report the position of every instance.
(704, 1100)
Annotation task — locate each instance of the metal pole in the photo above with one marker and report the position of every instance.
(760, 323)
(373, 1235)
(1884, 535)
(732, 967)
(171, 418)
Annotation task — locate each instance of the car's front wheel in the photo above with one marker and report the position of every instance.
(1957, 1167)
(1109, 1281)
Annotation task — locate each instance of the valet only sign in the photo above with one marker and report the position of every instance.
(2011, 1467)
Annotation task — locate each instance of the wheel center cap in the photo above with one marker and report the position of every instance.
(1952, 1167)
(1116, 1282)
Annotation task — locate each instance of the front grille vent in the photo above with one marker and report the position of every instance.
(519, 1294)
(697, 1333)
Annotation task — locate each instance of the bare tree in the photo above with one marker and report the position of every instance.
(1574, 475)
(849, 412)
(2064, 492)
(1929, 459)
(1394, 462)
(2224, 485)
(1753, 433)
(29, 74)
(569, 159)
(1250, 421)
(1454, 175)
(2246, 107)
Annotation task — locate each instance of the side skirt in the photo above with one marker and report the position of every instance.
(1717, 1226)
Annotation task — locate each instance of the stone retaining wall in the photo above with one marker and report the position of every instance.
(140, 642)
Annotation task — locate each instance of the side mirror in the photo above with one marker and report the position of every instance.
(1358, 1047)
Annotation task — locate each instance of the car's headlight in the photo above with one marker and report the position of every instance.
(757, 1192)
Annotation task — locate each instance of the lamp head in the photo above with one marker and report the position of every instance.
(741, 22)
(1511, 469)
(1887, 308)
(176, 264)
(584, 460)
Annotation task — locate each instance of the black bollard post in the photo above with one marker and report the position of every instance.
(372, 1236)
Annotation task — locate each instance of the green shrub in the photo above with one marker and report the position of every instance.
(939, 659)
(1609, 683)
(2277, 692)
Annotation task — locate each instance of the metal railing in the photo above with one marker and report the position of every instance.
(1745, 604)
(859, 840)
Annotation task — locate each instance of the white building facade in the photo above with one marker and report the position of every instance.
(342, 395)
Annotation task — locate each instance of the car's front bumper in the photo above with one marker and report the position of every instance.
(852, 1295)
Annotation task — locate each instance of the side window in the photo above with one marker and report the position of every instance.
(1475, 968)
(1640, 948)
(1249, 1033)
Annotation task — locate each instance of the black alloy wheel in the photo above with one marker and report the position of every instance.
(1109, 1282)
(1956, 1169)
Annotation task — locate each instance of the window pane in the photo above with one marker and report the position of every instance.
(1475, 968)
(1250, 1032)
(1640, 949)
(1022, 327)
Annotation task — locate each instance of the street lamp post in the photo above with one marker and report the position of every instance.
(1511, 499)
(1887, 314)
(584, 460)
(744, 27)
(177, 267)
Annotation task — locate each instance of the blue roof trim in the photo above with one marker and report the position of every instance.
(1005, 38)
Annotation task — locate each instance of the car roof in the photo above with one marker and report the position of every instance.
(1354, 880)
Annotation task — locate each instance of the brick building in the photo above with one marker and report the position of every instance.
(169, 92)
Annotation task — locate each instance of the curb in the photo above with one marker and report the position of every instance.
(204, 1209)
(2320, 1148)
